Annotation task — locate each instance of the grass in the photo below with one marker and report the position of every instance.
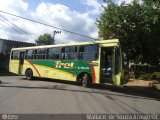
(6, 73)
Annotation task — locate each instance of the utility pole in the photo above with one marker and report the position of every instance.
(54, 33)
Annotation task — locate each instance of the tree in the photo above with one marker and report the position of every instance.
(45, 39)
(136, 25)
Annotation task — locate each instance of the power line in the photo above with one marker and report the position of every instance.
(46, 25)
(10, 25)
(21, 30)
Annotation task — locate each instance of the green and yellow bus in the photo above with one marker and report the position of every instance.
(82, 62)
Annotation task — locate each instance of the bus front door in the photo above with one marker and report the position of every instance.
(106, 65)
(111, 65)
(21, 62)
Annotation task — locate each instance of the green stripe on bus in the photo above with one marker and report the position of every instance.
(70, 66)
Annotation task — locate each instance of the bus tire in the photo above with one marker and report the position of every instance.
(86, 80)
(29, 74)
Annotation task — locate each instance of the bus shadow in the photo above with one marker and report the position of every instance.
(124, 90)
(140, 91)
(52, 80)
(93, 89)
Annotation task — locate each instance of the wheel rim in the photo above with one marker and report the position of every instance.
(29, 74)
(85, 80)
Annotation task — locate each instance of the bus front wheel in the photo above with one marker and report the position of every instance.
(86, 80)
(29, 74)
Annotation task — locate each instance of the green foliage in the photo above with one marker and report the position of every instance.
(45, 39)
(136, 25)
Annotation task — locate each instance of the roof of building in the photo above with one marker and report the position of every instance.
(16, 41)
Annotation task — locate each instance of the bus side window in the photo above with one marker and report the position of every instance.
(63, 53)
(34, 55)
(89, 52)
(26, 55)
(47, 51)
(71, 52)
(29, 54)
(16, 55)
(41, 53)
(81, 50)
(54, 53)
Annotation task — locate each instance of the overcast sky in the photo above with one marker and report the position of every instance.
(74, 15)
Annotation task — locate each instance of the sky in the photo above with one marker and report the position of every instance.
(77, 16)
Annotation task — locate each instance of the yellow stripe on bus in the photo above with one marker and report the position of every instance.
(55, 70)
(45, 71)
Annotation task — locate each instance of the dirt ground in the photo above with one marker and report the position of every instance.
(144, 83)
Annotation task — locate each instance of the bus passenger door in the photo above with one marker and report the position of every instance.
(106, 65)
(111, 65)
(21, 61)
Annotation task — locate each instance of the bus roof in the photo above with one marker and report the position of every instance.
(70, 44)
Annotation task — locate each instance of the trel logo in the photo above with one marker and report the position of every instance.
(60, 64)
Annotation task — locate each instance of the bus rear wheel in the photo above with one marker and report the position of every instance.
(29, 74)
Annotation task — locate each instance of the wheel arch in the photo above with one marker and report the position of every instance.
(29, 74)
(28, 69)
(81, 75)
(31, 70)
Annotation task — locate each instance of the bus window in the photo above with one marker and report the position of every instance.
(16, 55)
(29, 54)
(72, 56)
(63, 53)
(71, 49)
(71, 52)
(41, 53)
(54, 53)
(34, 56)
(88, 52)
